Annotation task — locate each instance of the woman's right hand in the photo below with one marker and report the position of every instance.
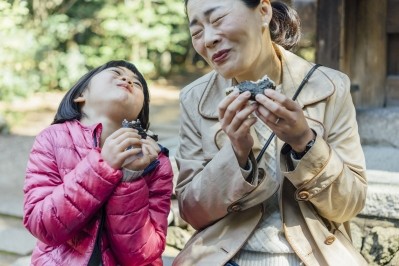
(115, 149)
(234, 119)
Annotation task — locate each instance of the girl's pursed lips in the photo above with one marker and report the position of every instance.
(125, 85)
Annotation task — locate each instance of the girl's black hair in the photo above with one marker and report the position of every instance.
(69, 110)
(285, 25)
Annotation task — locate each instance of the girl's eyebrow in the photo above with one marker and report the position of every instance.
(206, 14)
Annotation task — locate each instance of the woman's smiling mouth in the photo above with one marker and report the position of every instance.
(220, 56)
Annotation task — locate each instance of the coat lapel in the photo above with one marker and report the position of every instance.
(294, 71)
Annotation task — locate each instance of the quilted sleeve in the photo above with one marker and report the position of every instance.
(137, 216)
(55, 208)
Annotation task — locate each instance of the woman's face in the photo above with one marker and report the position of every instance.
(228, 35)
(113, 90)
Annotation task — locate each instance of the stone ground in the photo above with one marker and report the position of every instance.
(380, 145)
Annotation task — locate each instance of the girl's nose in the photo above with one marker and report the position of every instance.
(127, 80)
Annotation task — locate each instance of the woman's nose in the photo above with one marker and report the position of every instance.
(211, 38)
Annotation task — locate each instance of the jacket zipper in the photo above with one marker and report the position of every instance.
(96, 256)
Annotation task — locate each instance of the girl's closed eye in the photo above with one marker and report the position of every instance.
(138, 85)
(116, 71)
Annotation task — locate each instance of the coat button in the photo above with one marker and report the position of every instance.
(303, 195)
(329, 240)
(236, 208)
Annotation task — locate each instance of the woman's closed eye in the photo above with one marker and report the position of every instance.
(196, 34)
(217, 20)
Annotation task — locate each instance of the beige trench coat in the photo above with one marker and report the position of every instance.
(317, 198)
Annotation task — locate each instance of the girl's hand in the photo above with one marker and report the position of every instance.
(150, 150)
(285, 117)
(152, 143)
(233, 116)
(115, 149)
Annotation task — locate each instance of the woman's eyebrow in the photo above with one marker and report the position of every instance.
(206, 14)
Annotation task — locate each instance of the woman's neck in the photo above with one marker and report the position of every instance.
(274, 69)
(269, 64)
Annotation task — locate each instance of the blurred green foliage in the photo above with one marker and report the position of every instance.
(48, 45)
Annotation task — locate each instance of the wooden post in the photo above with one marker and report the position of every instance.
(351, 37)
(392, 84)
(366, 51)
(329, 32)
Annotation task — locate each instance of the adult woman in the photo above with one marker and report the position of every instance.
(291, 206)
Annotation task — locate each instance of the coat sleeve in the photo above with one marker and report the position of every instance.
(206, 181)
(332, 174)
(136, 216)
(56, 207)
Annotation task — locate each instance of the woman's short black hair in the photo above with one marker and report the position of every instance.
(69, 110)
(285, 25)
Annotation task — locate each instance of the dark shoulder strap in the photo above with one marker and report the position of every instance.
(304, 81)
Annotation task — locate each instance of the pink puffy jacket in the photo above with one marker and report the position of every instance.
(68, 183)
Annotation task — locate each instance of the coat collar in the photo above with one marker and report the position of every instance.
(295, 69)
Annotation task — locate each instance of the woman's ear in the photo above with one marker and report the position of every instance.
(79, 99)
(266, 12)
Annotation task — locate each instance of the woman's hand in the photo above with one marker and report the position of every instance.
(234, 119)
(285, 117)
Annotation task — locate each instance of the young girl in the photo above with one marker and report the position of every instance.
(85, 200)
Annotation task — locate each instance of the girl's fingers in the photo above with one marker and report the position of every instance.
(121, 131)
(153, 144)
(131, 152)
(149, 151)
(126, 135)
(123, 141)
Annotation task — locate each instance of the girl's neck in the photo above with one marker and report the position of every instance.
(109, 126)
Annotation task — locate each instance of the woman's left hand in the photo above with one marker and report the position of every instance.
(285, 117)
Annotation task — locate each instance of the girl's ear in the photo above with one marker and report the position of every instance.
(79, 99)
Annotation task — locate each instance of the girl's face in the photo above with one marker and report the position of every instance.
(228, 35)
(115, 91)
